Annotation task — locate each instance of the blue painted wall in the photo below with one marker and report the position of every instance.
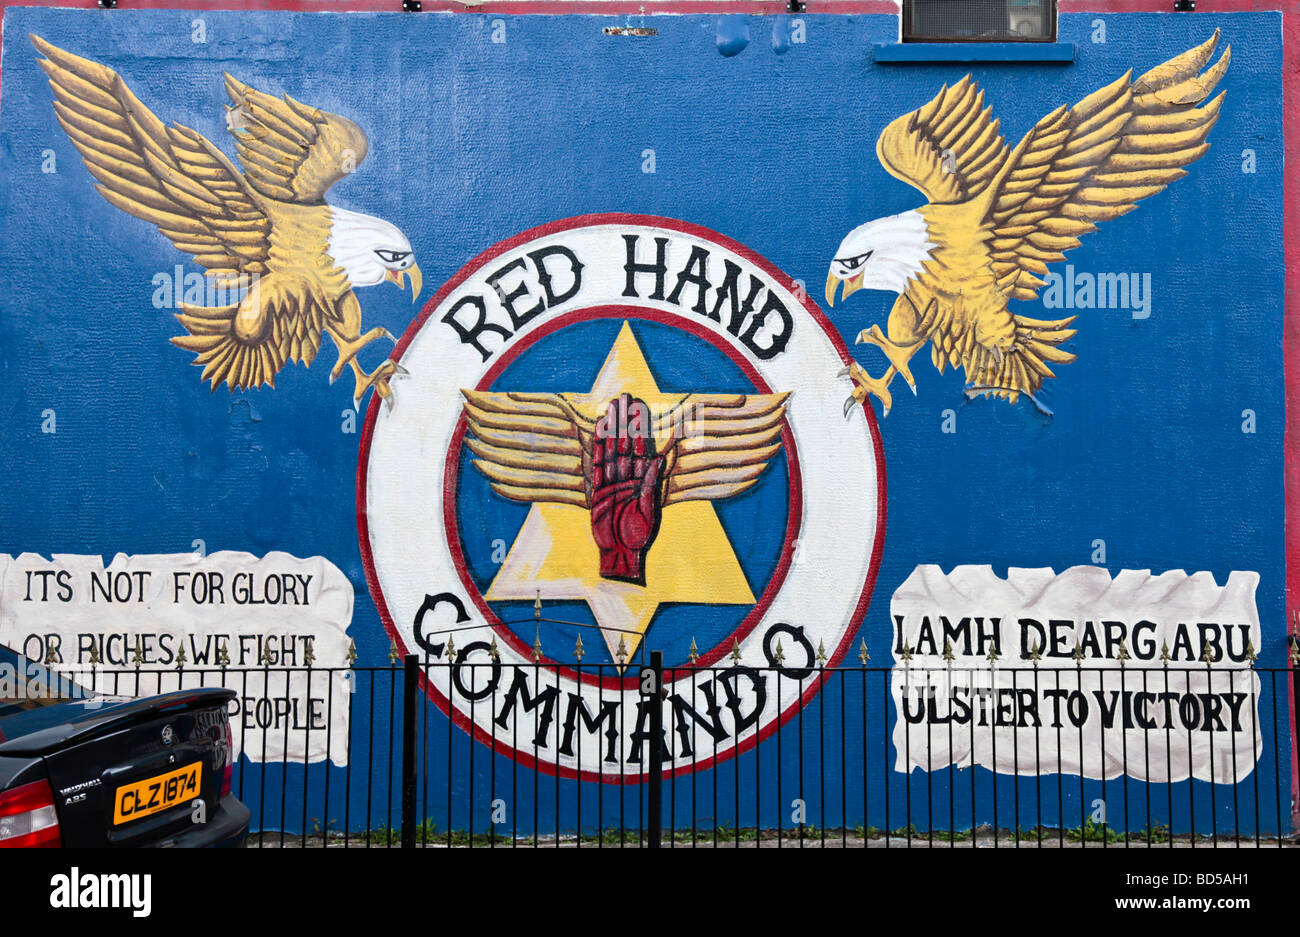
(473, 141)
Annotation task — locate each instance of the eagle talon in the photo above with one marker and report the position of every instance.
(864, 384)
(898, 355)
(349, 348)
(378, 379)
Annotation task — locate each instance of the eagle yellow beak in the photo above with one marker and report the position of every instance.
(399, 277)
(851, 286)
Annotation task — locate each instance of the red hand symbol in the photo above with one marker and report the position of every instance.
(625, 490)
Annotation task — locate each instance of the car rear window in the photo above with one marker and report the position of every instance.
(25, 685)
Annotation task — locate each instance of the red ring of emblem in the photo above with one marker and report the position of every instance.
(529, 760)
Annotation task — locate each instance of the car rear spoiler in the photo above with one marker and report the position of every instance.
(114, 716)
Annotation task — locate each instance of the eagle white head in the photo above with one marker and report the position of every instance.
(369, 250)
(880, 255)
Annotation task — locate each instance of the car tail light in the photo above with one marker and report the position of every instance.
(27, 817)
(229, 771)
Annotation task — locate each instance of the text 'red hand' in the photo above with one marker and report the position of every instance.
(624, 484)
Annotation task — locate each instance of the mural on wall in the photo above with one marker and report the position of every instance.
(1197, 715)
(607, 468)
(285, 259)
(629, 384)
(110, 628)
(998, 216)
(618, 426)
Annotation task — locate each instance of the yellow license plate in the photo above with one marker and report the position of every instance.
(152, 795)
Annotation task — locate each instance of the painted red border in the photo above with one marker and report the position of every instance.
(1291, 145)
(367, 433)
(501, 7)
(451, 471)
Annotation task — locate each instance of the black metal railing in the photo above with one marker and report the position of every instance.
(361, 757)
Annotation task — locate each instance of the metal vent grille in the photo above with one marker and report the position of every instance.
(979, 20)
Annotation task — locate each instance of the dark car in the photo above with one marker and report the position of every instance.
(141, 772)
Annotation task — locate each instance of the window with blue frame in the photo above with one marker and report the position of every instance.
(979, 20)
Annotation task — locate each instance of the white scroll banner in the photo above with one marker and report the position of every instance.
(151, 624)
(1143, 700)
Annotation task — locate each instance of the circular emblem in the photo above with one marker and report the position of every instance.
(168, 735)
(619, 434)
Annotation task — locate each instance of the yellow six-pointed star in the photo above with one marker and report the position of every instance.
(538, 448)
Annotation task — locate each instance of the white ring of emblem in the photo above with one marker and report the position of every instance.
(830, 576)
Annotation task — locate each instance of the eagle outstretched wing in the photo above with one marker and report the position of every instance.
(950, 148)
(1094, 161)
(176, 179)
(289, 151)
(1076, 167)
(538, 447)
(172, 177)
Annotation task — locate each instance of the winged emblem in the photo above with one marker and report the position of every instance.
(998, 216)
(268, 240)
(627, 465)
